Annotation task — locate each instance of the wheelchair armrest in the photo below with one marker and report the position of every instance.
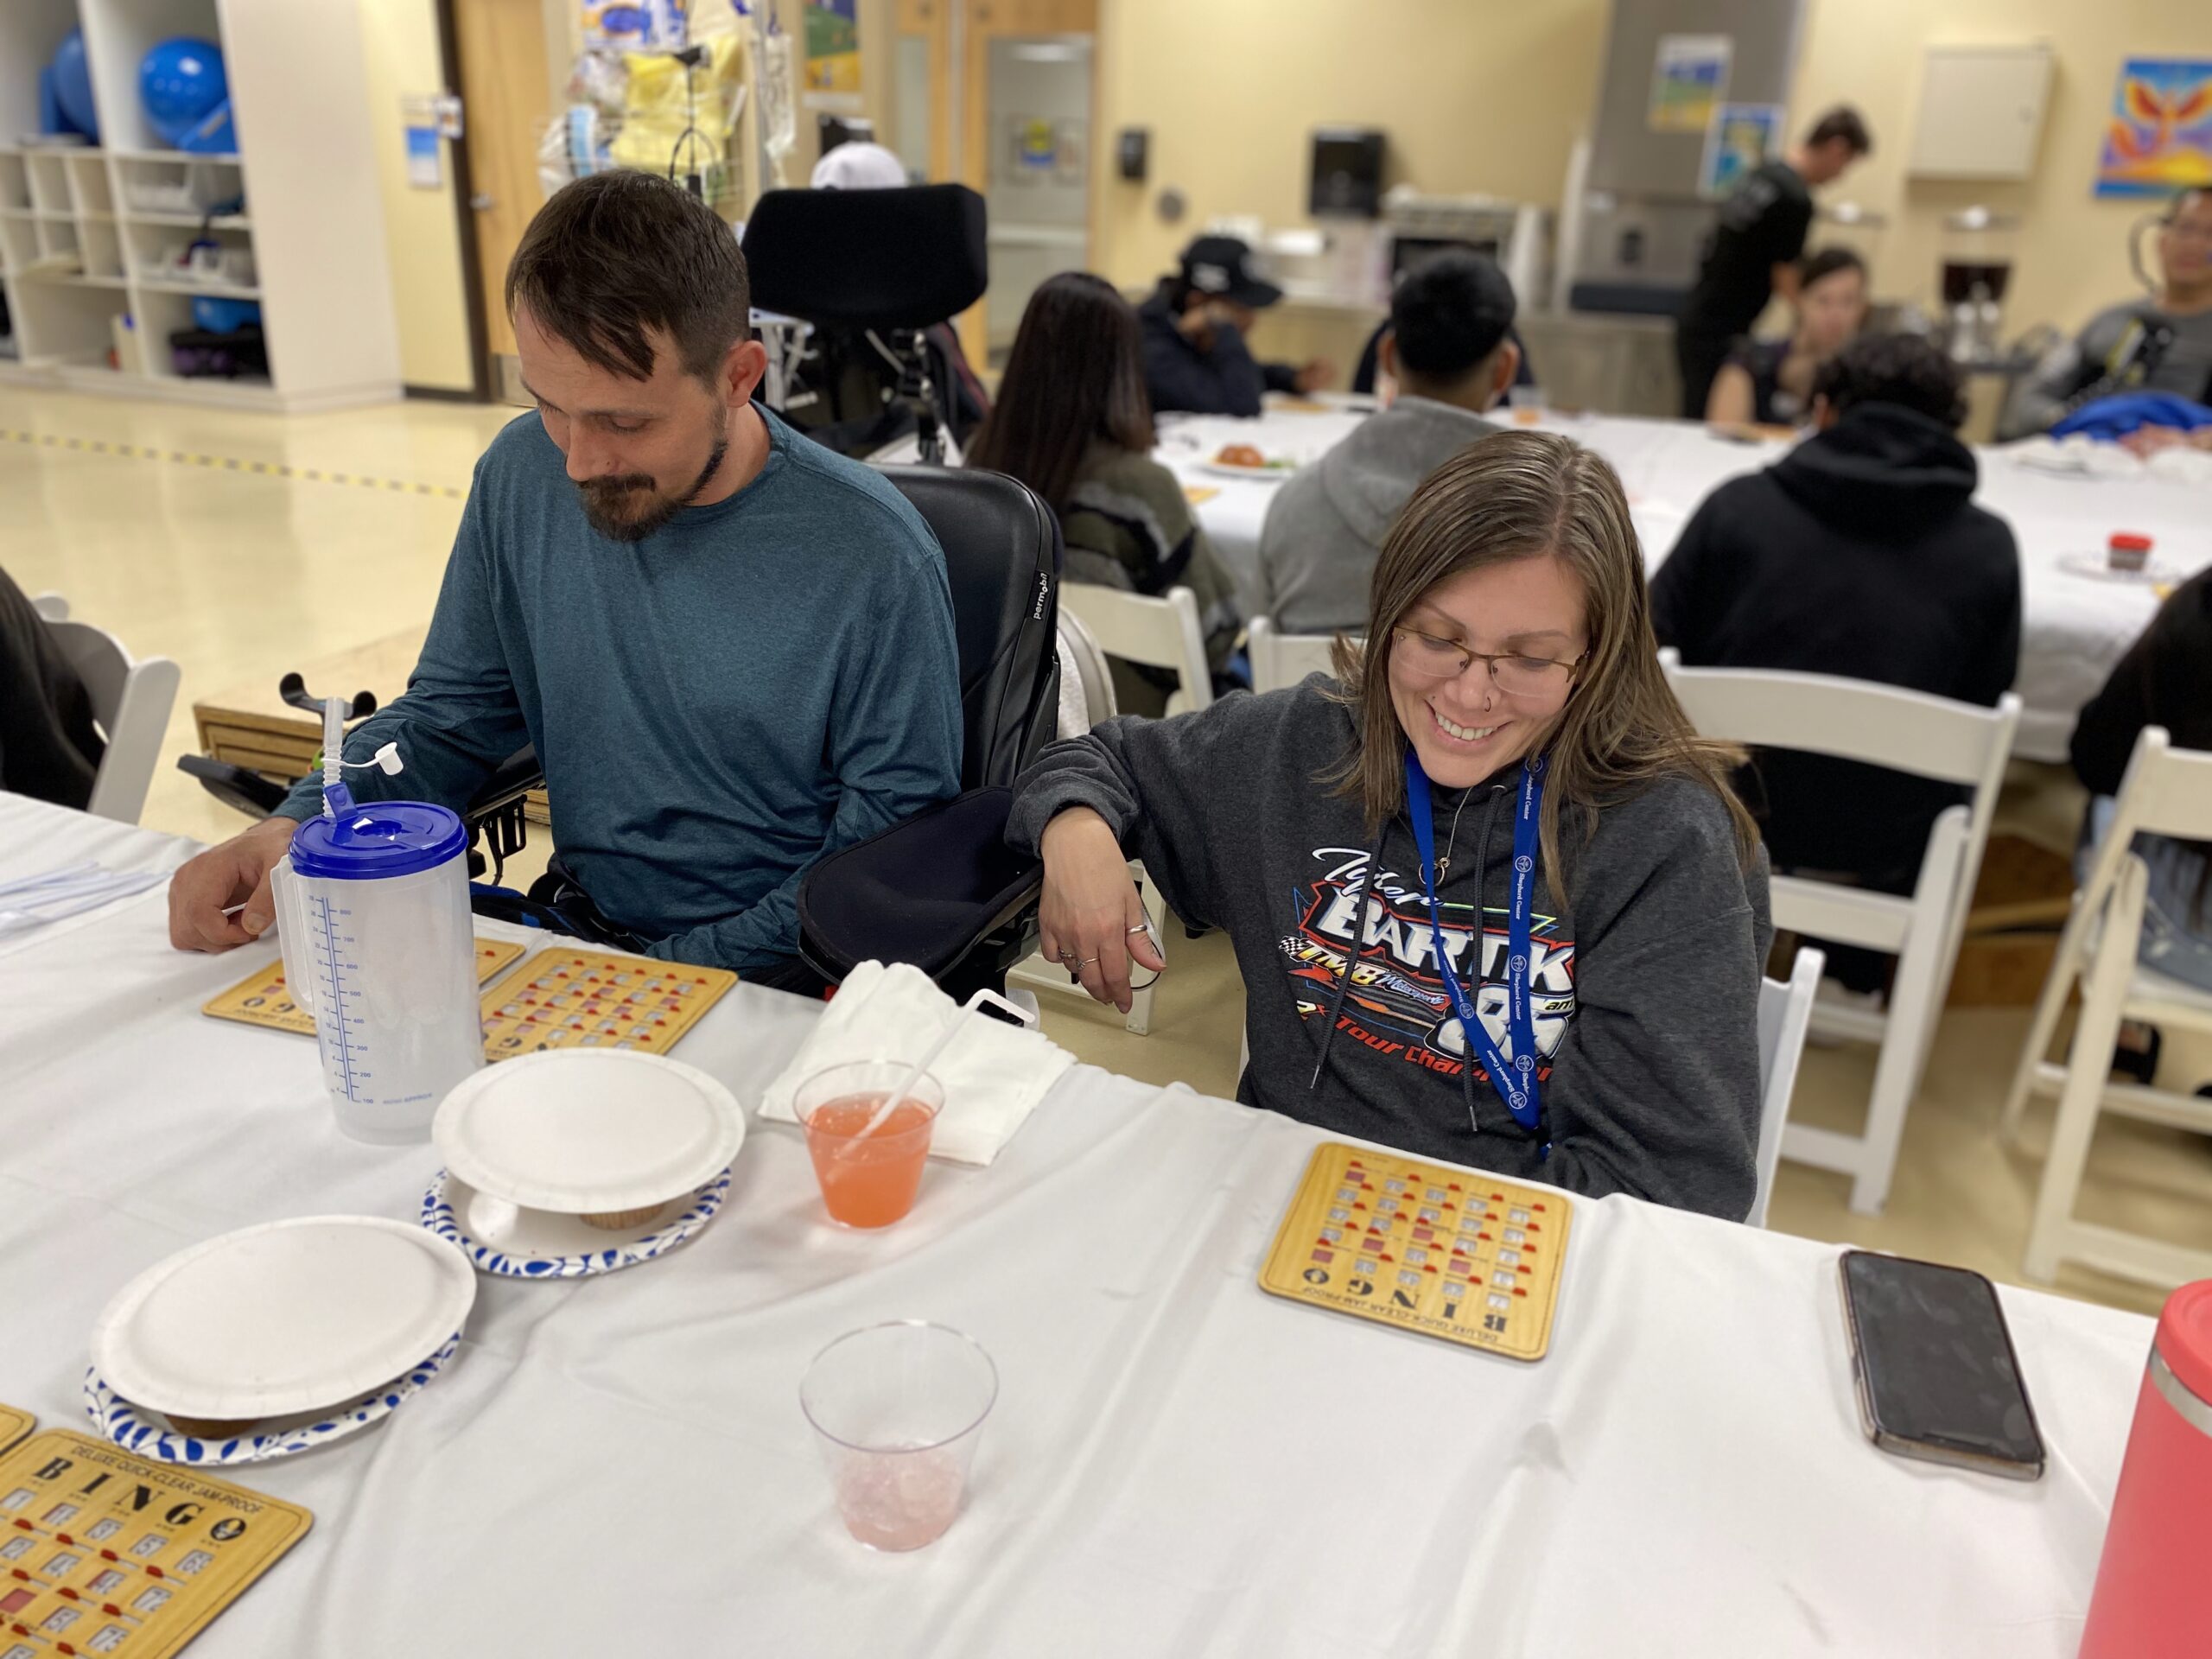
(234, 786)
(927, 892)
(515, 776)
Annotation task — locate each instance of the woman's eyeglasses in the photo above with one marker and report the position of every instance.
(1512, 672)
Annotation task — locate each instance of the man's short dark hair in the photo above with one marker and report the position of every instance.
(1902, 369)
(1817, 267)
(616, 255)
(1845, 122)
(1449, 313)
(2179, 199)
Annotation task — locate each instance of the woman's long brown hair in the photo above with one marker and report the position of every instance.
(1519, 495)
(1076, 376)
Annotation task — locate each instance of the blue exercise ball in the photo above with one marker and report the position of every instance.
(73, 86)
(180, 83)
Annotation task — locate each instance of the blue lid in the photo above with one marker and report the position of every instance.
(376, 839)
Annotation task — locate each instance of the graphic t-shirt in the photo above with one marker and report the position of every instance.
(1761, 226)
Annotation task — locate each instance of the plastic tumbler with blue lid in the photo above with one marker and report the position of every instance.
(373, 911)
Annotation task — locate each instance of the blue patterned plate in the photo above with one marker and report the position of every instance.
(513, 1243)
(147, 1436)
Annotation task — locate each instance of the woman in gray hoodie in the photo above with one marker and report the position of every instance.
(1497, 811)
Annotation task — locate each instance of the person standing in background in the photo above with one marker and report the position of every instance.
(1195, 357)
(1751, 250)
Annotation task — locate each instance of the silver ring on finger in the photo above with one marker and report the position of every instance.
(1086, 962)
(1141, 927)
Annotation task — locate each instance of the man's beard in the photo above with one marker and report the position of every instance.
(603, 497)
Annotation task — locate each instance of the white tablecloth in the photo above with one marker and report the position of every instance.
(1177, 1464)
(2074, 628)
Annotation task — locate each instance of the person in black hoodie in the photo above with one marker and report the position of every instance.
(49, 749)
(2164, 680)
(1195, 358)
(1861, 554)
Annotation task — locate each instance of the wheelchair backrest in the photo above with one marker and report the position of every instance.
(1003, 555)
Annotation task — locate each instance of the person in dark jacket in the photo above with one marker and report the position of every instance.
(49, 749)
(1861, 554)
(1195, 357)
(1753, 249)
(2165, 679)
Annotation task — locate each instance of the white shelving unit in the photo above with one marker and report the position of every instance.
(89, 235)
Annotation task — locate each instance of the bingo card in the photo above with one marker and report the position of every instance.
(103, 1553)
(585, 999)
(1428, 1248)
(262, 999)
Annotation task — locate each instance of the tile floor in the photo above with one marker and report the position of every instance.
(198, 544)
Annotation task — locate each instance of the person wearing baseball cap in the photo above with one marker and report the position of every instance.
(1195, 357)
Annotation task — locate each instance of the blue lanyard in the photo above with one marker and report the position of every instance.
(1516, 1080)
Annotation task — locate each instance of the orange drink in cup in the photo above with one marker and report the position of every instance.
(867, 1180)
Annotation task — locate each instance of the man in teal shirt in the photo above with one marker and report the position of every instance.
(733, 649)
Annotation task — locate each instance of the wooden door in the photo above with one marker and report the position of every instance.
(507, 97)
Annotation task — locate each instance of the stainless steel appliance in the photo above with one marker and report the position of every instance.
(1640, 222)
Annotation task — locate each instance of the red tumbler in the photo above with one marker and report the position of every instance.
(2153, 1599)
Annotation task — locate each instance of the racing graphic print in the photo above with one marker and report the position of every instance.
(1397, 1006)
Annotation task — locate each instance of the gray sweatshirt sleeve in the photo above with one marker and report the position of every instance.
(2039, 401)
(1162, 784)
(1655, 1089)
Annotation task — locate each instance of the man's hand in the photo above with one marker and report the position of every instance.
(1090, 920)
(1316, 375)
(236, 872)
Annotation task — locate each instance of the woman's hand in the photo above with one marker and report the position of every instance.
(1090, 920)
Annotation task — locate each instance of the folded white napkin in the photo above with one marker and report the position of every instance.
(994, 1073)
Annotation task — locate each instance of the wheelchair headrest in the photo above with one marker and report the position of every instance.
(867, 258)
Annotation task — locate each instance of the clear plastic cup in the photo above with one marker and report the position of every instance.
(871, 1181)
(897, 1410)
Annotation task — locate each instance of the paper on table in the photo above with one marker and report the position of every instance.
(994, 1073)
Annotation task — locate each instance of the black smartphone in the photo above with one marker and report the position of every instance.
(1933, 1364)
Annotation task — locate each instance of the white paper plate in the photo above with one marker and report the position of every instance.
(115, 1419)
(2092, 566)
(1264, 475)
(512, 1242)
(287, 1317)
(582, 1130)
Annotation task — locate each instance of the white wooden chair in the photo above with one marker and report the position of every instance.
(2165, 791)
(1083, 664)
(1159, 632)
(1785, 1015)
(132, 701)
(1904, 731)
(1280, 660)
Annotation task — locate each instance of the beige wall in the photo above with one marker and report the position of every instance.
(400, 42)
(1489, 95)
(1476, 95)
(2072, 248)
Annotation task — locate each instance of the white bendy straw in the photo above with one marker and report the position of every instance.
(944, 1039)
